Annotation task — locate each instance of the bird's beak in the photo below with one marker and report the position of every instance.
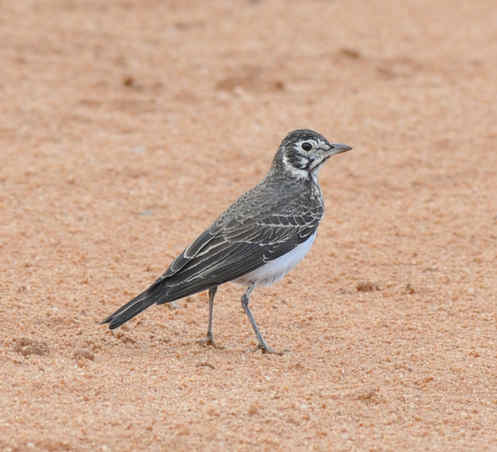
(333, 149)
(337, 148)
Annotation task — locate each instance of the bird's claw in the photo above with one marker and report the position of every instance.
(209, 340)
(267, 349)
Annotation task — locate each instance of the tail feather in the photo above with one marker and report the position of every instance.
(162, 291)
(138, 304)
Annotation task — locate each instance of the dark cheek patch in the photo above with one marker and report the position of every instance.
(298, 161)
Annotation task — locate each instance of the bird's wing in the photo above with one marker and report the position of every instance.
(229, 250)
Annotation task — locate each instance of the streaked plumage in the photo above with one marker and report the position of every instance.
(256, 240)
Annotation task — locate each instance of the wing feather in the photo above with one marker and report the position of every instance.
(226, 252)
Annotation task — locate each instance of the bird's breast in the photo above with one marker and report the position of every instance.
(275, 269)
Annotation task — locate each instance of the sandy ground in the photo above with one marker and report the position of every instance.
(127, 126)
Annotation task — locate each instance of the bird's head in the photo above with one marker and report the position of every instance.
(303, 151)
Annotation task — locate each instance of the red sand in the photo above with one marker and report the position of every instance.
(126, 128)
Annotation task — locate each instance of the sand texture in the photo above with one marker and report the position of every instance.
(127, 126)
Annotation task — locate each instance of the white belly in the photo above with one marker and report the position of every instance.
(274, 270)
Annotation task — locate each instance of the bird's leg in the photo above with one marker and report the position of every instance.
(261, 342)
(209, 340)
(210, 336)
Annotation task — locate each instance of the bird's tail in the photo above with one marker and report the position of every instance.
(138, 304)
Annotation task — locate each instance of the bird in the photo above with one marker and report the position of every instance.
(256, 241)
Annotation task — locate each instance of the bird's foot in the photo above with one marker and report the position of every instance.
(267, 349)
(209, 340)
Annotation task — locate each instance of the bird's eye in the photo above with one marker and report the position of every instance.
(306, 146)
